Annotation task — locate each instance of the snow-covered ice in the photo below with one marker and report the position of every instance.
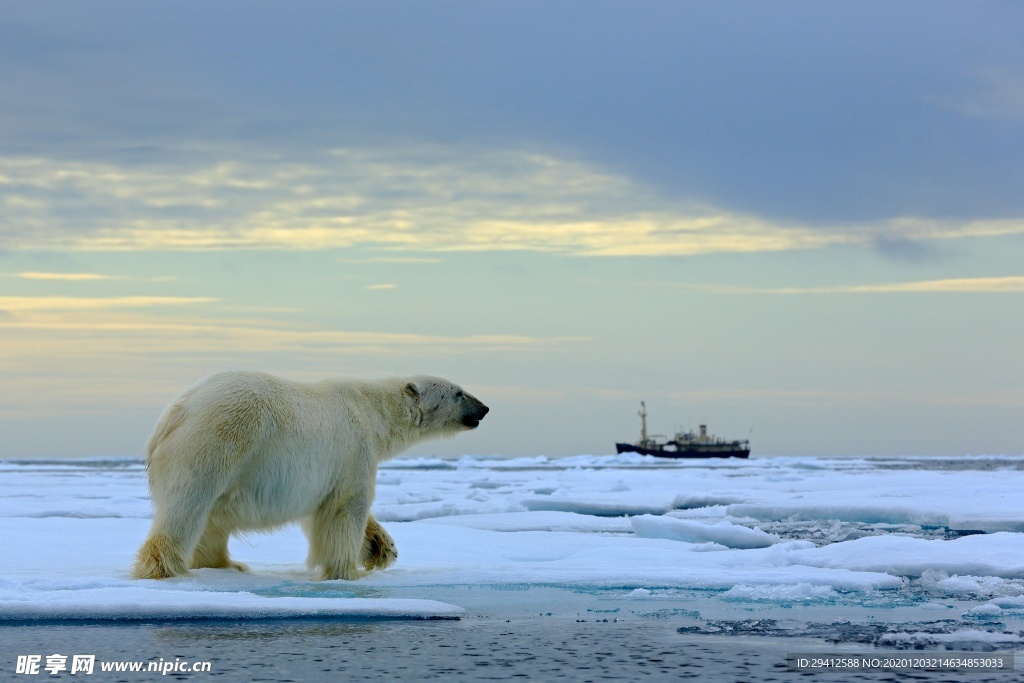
(924, 540)
(726, 534)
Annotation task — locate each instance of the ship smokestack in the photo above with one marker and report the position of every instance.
(703, 431)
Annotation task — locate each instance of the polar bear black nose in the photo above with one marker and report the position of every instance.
(472, 420)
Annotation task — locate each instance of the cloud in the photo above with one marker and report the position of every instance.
(967, 285)
(63, 276)
(421, 199)
(978, 285)
(392, 259)
(64, 355)
(383, 286)
(70, 303)
(998, 93)
(52, 327)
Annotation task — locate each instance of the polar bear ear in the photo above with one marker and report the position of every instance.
(411, 390)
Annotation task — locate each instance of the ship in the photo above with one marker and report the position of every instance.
(684, 444)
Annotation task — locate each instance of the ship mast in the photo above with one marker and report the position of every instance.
(643, 422)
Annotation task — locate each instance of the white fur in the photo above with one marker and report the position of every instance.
(242, 451)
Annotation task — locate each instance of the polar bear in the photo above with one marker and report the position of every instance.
(244, 451)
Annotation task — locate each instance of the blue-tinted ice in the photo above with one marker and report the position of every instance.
(894, 553)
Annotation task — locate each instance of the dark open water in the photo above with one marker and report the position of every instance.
(536, 649)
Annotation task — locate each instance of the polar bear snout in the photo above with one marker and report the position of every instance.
(471, 419)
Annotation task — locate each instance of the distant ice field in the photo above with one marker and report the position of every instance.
(898, 552)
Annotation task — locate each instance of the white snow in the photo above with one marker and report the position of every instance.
(940, 582)
(1000, 555)
(723, 533)
(754, 532)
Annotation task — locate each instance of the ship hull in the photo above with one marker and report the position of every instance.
(687, 453)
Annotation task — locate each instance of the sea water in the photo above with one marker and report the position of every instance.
(468, 649)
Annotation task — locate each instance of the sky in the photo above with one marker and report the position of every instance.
(800, 222)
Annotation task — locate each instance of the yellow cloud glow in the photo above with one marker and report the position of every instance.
(63, 276)
(429, 199)
(50, 303)
(48, 328)
(986, 285)
(967, 285)
(395, 259)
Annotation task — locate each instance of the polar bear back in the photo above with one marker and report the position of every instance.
(248, 451)
(285, 445)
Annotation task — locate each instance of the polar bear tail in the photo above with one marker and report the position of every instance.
(173, 418)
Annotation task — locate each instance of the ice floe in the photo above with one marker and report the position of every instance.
(945, 536)
(724, 533)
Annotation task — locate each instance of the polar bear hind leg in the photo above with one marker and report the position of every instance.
(177, 529)
(212, 550)
(160, 557)
(185, 497)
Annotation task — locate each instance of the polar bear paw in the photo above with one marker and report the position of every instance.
(160, 557)
(237, 566)
(379, 551)
(344, 572)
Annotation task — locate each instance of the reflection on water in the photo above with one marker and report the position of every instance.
(599, 648)
(268, 631)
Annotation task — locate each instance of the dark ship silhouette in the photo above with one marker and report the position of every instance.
(684, 444)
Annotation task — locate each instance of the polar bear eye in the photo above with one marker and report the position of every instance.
(459, 394)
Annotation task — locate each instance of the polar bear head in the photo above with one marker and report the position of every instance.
(441, 407)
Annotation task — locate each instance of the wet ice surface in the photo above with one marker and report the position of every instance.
(894, 554)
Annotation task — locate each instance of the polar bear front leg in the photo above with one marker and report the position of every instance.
(379, 551)
(336, 531)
